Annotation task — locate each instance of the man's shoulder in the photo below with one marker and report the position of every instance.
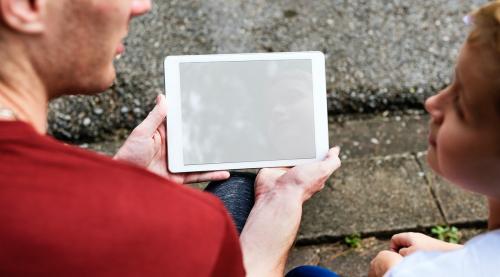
(57, 194)
(37, 162)
(159, 227)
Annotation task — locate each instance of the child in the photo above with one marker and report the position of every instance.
(464, 147)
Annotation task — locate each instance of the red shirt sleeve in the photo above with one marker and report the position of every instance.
(69, 212)
(229, 260)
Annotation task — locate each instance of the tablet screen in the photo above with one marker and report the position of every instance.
(247, 111)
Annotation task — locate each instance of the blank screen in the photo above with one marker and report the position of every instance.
(247, 111)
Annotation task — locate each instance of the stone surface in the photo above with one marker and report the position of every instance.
(110, 145)
(309, 255)
(467, 234)
(381, 54)
(359, 136)
(338, 257)
(370, 196)
(382, 134)
(354, 262)
(459, 206)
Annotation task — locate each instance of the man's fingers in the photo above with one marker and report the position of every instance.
(317, 171)
(206, 176)
(155, 118)
(334, 152)
(332, 160)
(271, 173)
(326, 167)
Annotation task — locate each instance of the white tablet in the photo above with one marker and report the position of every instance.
(245, 110)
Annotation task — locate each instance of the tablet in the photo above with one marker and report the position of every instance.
(241, 111)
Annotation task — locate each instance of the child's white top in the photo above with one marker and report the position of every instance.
(479, 257)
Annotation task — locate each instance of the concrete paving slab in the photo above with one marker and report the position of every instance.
(309, 255)
(354, 262)
(359, 136)
(338, 257)
(467, 234)
(381, 134)
(370, 196)
(459, 206)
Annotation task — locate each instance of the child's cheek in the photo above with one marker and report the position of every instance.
(457, 151)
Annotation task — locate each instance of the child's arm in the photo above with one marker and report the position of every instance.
(408, 243)
(405, 244)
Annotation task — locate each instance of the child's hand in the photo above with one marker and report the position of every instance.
(408, 243)
(383, 262)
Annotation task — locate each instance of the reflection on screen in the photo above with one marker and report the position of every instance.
(247, 111)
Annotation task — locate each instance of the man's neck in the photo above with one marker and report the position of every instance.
(494, 217)
(21, 88)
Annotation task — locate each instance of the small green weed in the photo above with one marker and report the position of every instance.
(353, 241)
(446, 233)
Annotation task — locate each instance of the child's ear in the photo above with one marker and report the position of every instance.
(26, 16)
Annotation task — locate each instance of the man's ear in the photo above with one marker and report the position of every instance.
(25, 16)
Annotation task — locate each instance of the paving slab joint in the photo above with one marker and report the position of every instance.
(428, 181)
(386, 234)
(381, 234)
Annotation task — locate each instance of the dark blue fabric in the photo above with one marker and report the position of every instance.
(311, 271)
(238, 195)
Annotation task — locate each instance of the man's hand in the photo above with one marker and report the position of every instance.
(146, 147)
(274, 220)
(408, 243)
(305, 180)
(383, 262)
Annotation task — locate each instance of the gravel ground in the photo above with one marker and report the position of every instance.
(381, 54)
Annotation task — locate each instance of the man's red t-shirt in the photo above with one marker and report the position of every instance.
(65, 211)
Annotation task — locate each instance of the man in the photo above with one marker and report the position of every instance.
(68, 212)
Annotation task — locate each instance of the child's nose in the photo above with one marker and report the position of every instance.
(432, 106)
(140, 7)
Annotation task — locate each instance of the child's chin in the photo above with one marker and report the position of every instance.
(432, 160)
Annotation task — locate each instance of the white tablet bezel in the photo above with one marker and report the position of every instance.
(174, 117)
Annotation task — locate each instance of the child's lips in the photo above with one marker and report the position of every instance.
(432, 132)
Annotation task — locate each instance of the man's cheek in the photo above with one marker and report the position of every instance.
(109, 13)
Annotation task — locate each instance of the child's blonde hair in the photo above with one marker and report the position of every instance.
(486, 33)
(486, 28)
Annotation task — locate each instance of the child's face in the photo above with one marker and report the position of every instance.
(464, 139)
